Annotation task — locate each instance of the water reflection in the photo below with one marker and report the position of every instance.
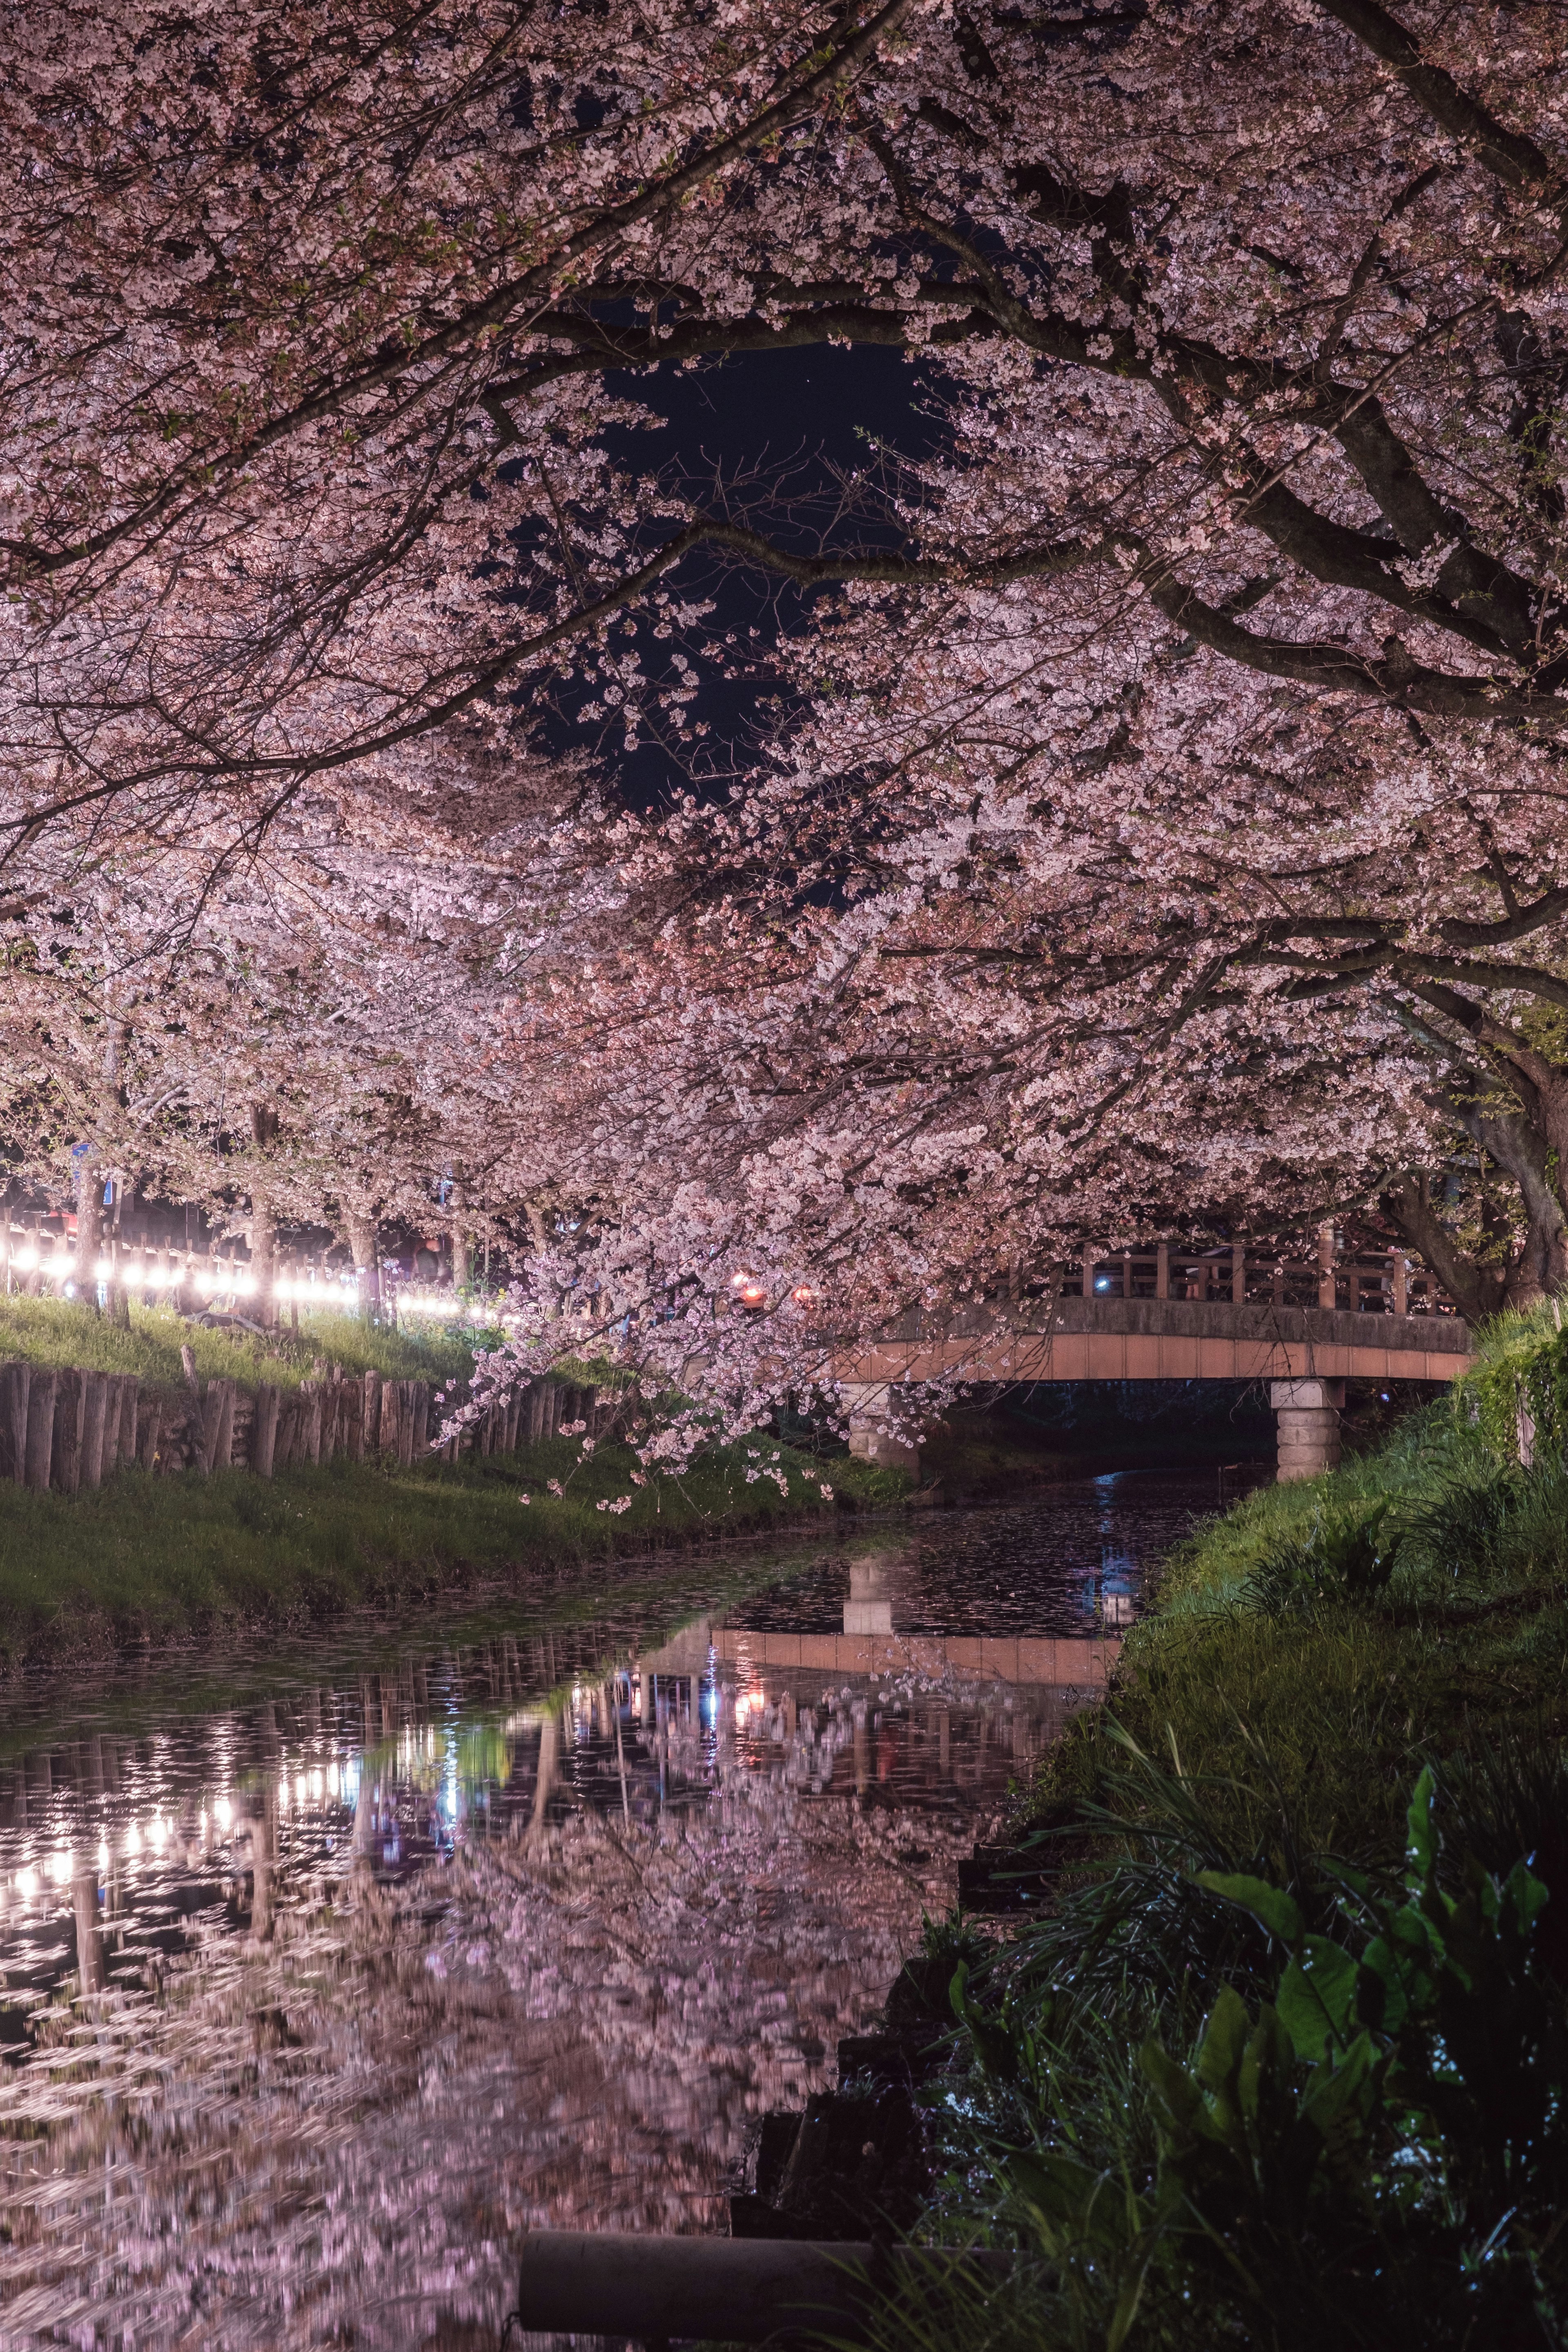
(313, 1999)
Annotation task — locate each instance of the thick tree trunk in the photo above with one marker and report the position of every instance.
(1483, 1286)
(89, 1227)
(362, 1234)
(1478, 1291)
(462, 1244)
(264, 1259)
(1525, 1153)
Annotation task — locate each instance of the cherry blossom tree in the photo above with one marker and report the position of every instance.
(1180, 772)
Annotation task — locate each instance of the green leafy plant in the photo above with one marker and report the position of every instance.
(1348, 1552)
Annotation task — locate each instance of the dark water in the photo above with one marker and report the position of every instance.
(324, 1973)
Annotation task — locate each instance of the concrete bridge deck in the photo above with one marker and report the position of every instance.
(1306, 1355)
(1162, 1340)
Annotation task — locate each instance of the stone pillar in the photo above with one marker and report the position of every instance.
(1308, 1415)
(873, 1587)
(865, 1403)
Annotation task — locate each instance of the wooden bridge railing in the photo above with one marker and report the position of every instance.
(1381, 1282)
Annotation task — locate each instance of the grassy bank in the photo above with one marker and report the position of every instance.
(56, 1333)
(151, 1559)
(1285, 2062)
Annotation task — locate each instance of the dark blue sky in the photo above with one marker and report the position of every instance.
(796, 418)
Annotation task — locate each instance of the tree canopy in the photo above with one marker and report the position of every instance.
(1158, 817)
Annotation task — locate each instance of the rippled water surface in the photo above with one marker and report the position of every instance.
(325, 1971)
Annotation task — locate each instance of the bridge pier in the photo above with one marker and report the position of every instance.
(1307, 1415)
(865, 1403)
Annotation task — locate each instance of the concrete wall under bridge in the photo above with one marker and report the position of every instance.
(1306, 1356)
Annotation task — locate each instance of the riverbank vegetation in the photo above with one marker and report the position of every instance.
(147, 1559)
(1284, 2062)
(56, 1333)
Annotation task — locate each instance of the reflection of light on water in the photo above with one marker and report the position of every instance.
(783, 1831)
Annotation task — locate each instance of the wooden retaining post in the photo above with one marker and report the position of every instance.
(419, 1430)
(130, 1391)
(513, 1413)
(40, 1430)
(14, 1423)
(95, 1406)
(69, 1406)
(353, 1420)
(288, 1430)
(264, 1431)
(390, 1441)
(370, 1423)
(108, 1459)
(149, 1430)
(311, 1420)
(208, 1425)
(223, 1456)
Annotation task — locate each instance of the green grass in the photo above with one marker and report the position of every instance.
(1285, 2062)
(149, 1560)
(59, 1332)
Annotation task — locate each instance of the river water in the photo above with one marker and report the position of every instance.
(325, 1970)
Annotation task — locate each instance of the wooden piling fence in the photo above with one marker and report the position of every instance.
(70, 1429)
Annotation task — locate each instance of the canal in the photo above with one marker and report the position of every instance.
(327, 1968)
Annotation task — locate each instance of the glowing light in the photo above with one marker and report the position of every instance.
(60, 1865)
(159, 1832)
(223, 1812)
(103, 1269)
(27, 1884)
(803, 1295)
(133, 1841)
(25, 1260)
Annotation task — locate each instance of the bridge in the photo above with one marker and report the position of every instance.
(1167, 1315)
